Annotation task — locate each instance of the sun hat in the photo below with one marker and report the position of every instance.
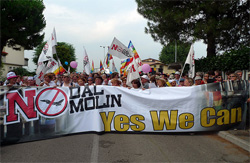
(145, 77)
(11, 75)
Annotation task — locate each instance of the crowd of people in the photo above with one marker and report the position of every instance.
(145, 81)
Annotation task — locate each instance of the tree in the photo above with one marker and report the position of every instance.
(23, 72)
(222, 25)
(21, 24)
(65, 52)
(167, 54)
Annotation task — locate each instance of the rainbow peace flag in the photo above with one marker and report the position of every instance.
(131, 46)
(124, 65)
(62, 70)
(101, 67)
(109, 57)
(92, 67)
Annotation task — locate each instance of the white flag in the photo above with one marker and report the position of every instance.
(133, 72)
(52, 65)
(119, 50)
(47, 53)
(86, 64)
(190, 61)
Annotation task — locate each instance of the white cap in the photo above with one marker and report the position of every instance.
(197, 78)
(177, 73)
(11, 75)
(145, 77)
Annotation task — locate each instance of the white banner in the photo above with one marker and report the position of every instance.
(108, 108)
(119, 50)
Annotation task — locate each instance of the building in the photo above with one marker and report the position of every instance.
(157, 66)
(12, 59)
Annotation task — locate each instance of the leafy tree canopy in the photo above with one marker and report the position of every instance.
(21, 23)
(65, 52)
(23, 72)
(222, 25)
(167, 54)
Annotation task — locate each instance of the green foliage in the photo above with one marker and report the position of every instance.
(23, 72)
(21, 23)
(222, 25)
(234, 60)
(65, 52)
(167, 54)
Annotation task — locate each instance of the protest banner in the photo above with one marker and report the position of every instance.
(43, 112)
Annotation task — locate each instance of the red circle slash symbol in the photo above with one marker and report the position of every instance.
(54, 107)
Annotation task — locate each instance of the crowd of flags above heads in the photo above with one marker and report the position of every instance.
(131, 63)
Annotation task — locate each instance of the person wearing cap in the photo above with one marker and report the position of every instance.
(177, 77)
(90, 81)
(181, 82)
(145, 81)
(197, 80)
(11, 77)
(173, 83)
(30, 81)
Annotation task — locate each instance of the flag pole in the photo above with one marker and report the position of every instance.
(83, 59)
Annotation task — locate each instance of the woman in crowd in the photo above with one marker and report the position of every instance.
(90, 81)
(11, 79)
(66, 81)
(136, 84)
(152, 82)
(59, 80)
(124, 81)
(81, 81)
(205, 78)
(116, 82)
(189, 82)
(218, 78)
(173, 83)
(161, 82)
(48, 80)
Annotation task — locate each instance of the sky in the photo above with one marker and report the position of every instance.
(95, 23)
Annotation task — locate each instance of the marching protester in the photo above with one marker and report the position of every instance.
(177, 77)
(145, 81)
(161, 82)
(98, 80)
(136, 84)
(81, 81)
(197, 80)
(48, 80)
(90, 81)
(66, 81)
(116, 82)
(11, 79)
(181, 82)
(152, 83)
(189, 82)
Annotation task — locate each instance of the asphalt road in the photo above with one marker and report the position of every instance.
(114, 147)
